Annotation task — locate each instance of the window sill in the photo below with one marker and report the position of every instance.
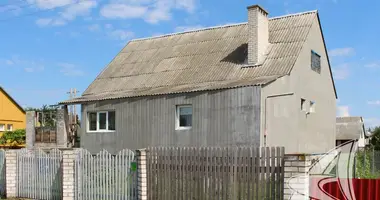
(183, 128)
(100, 131)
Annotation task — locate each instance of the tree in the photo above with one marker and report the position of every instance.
(375, 138)
(46, 115)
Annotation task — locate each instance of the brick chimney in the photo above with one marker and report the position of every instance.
(258, 34)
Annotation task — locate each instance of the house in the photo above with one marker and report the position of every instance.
(266, 82)
(351, 128)
(12, 115)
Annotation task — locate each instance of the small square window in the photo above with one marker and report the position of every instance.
(315, 62)
(2, 127)
(10, 127)
(184, 115)
(303, 106)
(312, 106)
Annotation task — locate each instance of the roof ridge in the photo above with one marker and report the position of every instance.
(294, 14)
(191, 31)
(220, 26)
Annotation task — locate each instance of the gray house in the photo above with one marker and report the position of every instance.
(351, 128)
(264, 82)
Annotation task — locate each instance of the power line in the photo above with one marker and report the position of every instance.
(40, 11)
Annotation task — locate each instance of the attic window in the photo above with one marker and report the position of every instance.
(315, 62)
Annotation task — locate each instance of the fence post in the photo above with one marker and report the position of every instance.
(68, 173)
(11, 173)
(30, 129)
(297, 165)
(141, 157)
(62, 128)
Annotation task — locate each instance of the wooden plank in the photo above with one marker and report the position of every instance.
(282, 152)
(257, 173)
(267, 172)
(224, 173)
(273, 173)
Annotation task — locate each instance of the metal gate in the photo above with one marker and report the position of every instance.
(105, 176)
(39, 174)
(2, 173)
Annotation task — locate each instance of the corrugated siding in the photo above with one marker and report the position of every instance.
(220, 118)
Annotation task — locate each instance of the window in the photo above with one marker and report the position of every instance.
(184, 115)
(303, 106)
(315, 62)
(10, 127)
(101, 121)
(2, 127)
(312, 106)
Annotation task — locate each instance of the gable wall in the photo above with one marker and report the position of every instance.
(10, 113)
(220, 118)
(315, 132)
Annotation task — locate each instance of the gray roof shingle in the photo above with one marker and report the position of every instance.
(208, 59)
(349, 128)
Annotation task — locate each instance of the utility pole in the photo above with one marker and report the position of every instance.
(72, 108)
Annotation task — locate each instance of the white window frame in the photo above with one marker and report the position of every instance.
(11, 127)
(177, 114)
(97, 122)
(2, 125)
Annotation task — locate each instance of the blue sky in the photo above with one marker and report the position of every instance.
(50, 46)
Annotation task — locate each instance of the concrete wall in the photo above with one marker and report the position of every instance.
(220, 118)
(61, 142)
(302, 133)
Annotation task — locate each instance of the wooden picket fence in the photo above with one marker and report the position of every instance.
(215, 173)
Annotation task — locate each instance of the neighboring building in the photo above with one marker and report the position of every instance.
(267, 82)
(351, 128)
(12, 115)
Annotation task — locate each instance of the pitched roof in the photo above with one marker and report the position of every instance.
(349, 128)
(206, 59)
(10, 98)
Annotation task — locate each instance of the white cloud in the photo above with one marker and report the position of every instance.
(188, 28)
(347, 51)
(373, 65)
(121, 34)
(79, 9)
(94, 27)
(9, 62)
(152, 11)
(376, 103)
(43, 21)
(343, 111)
(68, 69)
(123, 11)
(50, 4)
(26, 64)
(341, 71)
(72, 9)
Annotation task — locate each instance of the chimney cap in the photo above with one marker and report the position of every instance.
(257, 6)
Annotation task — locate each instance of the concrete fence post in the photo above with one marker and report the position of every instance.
(11, 173)
(68, 180)
(30, 129)
(142, 182)
(296, 168)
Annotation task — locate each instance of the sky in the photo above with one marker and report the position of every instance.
(50, 46)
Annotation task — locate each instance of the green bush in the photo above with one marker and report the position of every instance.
(16, 137)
